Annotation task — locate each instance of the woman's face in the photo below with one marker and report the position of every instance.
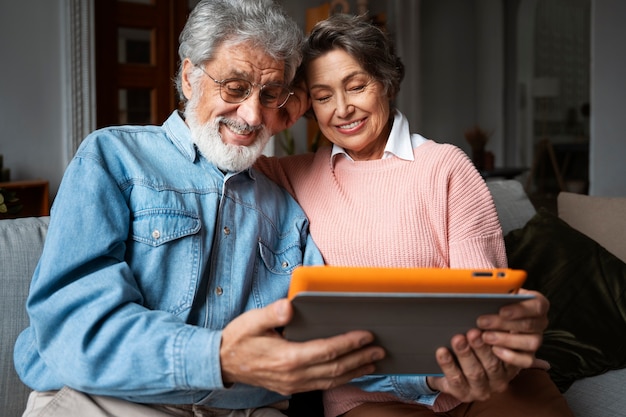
(352, 109)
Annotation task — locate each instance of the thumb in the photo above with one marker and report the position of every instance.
(282, 311)
(263, 320)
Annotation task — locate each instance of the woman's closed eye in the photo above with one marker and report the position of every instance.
(321, 96)
(352, 90)
(357, 89)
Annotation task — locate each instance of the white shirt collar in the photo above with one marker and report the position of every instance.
(397, 144)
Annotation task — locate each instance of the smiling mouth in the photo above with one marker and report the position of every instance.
(351, 125)
(239, 129)
(242, 129)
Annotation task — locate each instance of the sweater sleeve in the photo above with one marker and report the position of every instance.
(294, 172)
(271, 167)
(474, 231)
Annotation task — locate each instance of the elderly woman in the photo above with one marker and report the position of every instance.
(382, 196)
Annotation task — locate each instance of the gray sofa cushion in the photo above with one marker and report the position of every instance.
(513, 205)
(21, 243)
(600, 396)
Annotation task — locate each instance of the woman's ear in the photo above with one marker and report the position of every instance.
(185, 82)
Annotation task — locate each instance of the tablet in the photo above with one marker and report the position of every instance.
(409, 326)
(438, 280)
(410, 311)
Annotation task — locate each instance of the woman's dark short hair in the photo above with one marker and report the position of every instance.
(364, 41)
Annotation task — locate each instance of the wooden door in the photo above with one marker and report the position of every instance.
(136, 59)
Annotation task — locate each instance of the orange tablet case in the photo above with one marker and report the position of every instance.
(402, 280)
(411, 312)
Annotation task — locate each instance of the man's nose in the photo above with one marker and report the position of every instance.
(251, 110)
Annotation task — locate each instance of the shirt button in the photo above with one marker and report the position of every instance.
(156, 234)
(219, 291)
(226, 230)
(285, 264)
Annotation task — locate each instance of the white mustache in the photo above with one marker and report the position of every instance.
(239, 128)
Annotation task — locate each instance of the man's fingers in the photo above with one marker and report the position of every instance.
(258, 321)
(327, 363)
(329, 349)
(332, 374)
(252, 352)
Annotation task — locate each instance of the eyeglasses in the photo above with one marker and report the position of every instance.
(236, 90)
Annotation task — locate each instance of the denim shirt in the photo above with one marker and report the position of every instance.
(151, 251)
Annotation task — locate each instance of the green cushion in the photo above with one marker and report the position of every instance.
(586, 287)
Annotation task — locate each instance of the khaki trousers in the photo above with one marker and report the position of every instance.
(531, 394)
(70, 403)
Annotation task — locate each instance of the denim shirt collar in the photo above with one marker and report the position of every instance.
(180, 135)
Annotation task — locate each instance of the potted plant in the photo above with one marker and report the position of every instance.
(9, 203)
(477, 139)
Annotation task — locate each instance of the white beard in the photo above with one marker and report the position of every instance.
(226, 157)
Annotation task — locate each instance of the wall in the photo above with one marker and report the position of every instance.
(31, 90)
(462, 71)
(448, 71)
(32, 113)
(452, 71)
(607, 166)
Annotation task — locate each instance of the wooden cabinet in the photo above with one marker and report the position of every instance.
(34, 195)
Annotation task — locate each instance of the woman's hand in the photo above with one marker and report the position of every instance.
(472, 372)
(482, 362)
(516, 332)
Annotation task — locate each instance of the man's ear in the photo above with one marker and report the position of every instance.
(185, 83)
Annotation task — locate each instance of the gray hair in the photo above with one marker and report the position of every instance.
(263, 23)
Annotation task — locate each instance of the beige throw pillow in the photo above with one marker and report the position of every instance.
(601, 218)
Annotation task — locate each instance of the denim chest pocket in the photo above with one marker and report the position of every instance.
(165, 257)
(280, 261)
(274, 270)
(157, 227)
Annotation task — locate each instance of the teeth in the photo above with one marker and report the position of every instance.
(239, 130)
(350, 126)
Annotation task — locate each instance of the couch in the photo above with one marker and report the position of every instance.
(589, 366)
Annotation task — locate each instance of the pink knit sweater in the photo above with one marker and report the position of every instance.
(435, 211)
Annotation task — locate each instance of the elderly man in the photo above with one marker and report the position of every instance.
(168, 258)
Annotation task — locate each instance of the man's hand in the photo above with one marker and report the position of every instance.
(252, 352)
(484, 361)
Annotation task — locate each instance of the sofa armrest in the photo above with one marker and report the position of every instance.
(601, 218)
